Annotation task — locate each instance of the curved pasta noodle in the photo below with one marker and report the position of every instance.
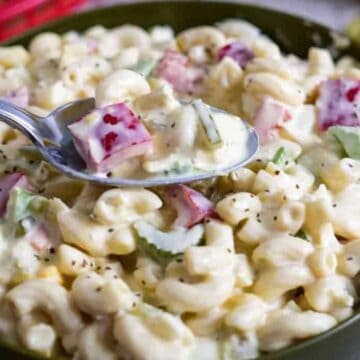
(264, 47)
(275, 282)
(239, 29)
(242, 180)
(149, 333)
(98, 239)
(71, 261)
(248, 314)
(226, 76)
(291, 217)
(349, 258)
(95, 342)
(323, 262)
(281, 250)
(244, 274)
(213, 265)
(54, 300)
(121, 86)
(85, 74)
(320, 62)
(52, 96)
(339, 174)
(252, 232)
(274, 66)
(125, 205)
(161, 36)
(95, 295)
(206, 323)
(13, 56)
(328, 294)
(237, 207)
(219, 234)
(36, 334)
(131, 36)
(206, 36)
(46, 45)
(346, 222)
(294, 184)
(148, 273)
(269, 84)
(126, 59)
(319, 207)
(283, 327)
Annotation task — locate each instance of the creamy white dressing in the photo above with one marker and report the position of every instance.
(180, 145)
(234, 135)
(280, 226)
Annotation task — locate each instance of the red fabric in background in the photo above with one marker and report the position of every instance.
(17, 16)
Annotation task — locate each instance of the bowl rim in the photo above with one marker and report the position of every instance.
(49, 26)
(140, 3)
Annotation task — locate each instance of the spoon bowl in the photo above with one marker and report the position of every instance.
(52, 139)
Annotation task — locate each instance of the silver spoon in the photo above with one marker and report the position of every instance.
(52, 139)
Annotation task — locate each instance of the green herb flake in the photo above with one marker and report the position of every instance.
(282, 158)
(346, 139)
(302, 235)
(208, 124)
(166, 246)
(23, 210)
(145, 66)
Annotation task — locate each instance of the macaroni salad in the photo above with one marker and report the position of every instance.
(223, 269)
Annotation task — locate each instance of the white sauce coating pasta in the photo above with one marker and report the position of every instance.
(274, 258)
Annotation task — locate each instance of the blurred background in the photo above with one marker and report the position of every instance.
(333, 13)
(17, 16)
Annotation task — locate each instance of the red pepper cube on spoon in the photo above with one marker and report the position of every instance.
(109, 135)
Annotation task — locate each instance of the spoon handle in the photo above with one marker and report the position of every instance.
(20, 119)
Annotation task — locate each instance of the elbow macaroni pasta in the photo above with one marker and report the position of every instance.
(147, 327)
(283, 326)
(280, 240)
(95, 342)
(54, 300)
(104, 296)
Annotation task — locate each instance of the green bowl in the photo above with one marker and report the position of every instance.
(294, 35)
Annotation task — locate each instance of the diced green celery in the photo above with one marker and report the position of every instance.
(23, 208)
(178, 169)
(301, 234)
(347, 138)
(282, 158)
(208, 123)
(145, 66)
(164, 246)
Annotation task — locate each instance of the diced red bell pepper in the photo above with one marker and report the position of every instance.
(338, 103)
(7, 183)
(109, 135)
(176, 69)
(238, 51)
(269, 118)
(191, 206)
(19, 97)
